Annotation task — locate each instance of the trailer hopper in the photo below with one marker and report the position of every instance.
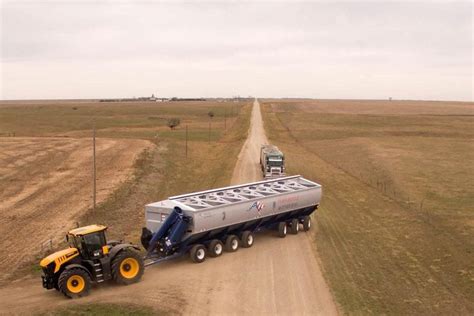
(177, 224)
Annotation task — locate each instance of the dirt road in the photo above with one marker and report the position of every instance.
(275, 276)
(247, 168)
(283, 275)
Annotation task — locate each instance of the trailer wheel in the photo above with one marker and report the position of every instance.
(306, 223)
(231, 243)
(216, 247)
(282, 229)
(295, 226)
(198, 253)
(247, 239)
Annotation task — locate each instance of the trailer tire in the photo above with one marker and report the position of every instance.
(198, 253)
(231, 243)
(127, 267)
(306, 223)
(295, 226)
(282, 229)
(247, 239)
(216, 247)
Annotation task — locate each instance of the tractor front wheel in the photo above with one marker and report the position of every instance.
(127, 267)
(74, 283)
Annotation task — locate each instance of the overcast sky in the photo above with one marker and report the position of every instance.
(324, 49)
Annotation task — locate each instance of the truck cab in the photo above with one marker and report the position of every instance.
(272, 162)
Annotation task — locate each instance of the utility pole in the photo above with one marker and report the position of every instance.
(186, 140)
(209, 130)
(93, 164)
(211, 115)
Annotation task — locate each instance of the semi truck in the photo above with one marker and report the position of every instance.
(272, 162)
(210, 222)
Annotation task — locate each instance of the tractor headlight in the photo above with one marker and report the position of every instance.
(49, 270)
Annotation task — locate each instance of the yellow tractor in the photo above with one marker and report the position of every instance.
(90, 258)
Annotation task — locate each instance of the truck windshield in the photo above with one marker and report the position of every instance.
(275, 161)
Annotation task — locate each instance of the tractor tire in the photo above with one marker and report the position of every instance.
(231, 243)
(127, 267)
(306, 223)
(247, 239)
(74, 283)
(216, 247)
(198, 253)
(282, 229)
(294, 226)
(56, 286)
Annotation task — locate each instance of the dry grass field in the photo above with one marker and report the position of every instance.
(46, 164)
(45, 184)
(396, 227)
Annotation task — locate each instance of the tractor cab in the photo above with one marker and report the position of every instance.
(89, 240)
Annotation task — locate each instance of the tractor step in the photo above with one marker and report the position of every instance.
(99, 276)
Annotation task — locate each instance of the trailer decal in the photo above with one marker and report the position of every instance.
(258, 205)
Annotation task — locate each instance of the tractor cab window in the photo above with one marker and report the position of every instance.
(75, 242)
(71, 241)
(94, 243)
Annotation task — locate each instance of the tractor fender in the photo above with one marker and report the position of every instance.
(78, 266)
(117, 248)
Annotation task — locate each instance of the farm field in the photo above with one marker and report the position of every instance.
(46, 167)
(395, 232)
(45, 185)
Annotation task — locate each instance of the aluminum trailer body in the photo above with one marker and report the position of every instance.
(272, 162)
(176, 224)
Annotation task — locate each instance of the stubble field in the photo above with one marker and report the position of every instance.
(396, 228)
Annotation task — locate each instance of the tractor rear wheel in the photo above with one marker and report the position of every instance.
(74, 283)
(127, 267)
